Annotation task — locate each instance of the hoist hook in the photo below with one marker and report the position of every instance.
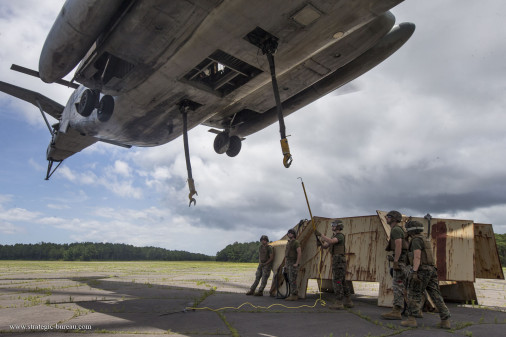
(191, 185)
(287, 157)
(184, 106)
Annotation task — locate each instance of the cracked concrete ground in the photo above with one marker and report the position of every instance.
(154, 298)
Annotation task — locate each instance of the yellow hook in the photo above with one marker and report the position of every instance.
(287, 157)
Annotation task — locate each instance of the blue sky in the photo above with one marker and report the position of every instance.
(425, 133)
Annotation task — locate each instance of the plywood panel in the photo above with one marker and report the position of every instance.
(487, 262)
(452, 247)
(461, 292)
(453, 243)
(278, 285)
(460, 251)
(364, 250)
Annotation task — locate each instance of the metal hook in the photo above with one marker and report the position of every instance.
(193, 192)
(287, 160)
(184, 106)
(287, 157)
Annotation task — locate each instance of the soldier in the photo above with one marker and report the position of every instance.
(337, 250)
(265, 258)
(293, 254)
(398, 244)
(423, 277)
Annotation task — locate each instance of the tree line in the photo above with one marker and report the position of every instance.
(239, 252)
(88, 251)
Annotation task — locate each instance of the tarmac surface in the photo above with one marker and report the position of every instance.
(138, 301)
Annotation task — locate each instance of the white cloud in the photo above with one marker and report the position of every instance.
(67, 173)
(121, 168)
(111, 180)
(7, 228)
(52, 221)
(58, 206)
(4, 199)
(147, 227)
(18, 214)
(36, 165)
(23, 29)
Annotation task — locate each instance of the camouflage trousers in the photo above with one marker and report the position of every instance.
(292, 276)
(263, 272)
(399, 282)
(427, 276)
(339, 277)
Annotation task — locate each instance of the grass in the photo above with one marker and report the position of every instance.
(205, 295)
(120, 267)
(232, 330)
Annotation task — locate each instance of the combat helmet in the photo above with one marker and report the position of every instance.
(291, 230)
(338, 223)
(414, 227)
(395, 215)
(264, 237)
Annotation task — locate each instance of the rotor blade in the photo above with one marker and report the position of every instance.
(31, 72)
(51, 107)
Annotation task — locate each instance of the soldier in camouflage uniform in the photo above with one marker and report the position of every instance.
(423, 277)
(293, 254)
(398, 244)
(265, 258)
(337, 250)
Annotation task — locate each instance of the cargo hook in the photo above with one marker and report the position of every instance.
(184, 106)
(269, 48)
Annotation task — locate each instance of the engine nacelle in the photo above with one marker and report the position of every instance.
(74, 31)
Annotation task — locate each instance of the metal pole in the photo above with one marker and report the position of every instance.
(307, 201)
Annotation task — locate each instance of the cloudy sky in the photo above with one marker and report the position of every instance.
(425, 132)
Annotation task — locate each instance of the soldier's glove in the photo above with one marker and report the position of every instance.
(396, 265)
(317, 233)
(390, 258)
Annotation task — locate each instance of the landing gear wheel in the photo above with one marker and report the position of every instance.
(87, 103)
(235, 146)
(105, 108)
(221, 143)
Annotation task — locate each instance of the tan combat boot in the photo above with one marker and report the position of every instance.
(348, 303)
(292, 298)
(337, 305)
(394, 314)
(410, 322)
(444, 324)
(250, 292)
